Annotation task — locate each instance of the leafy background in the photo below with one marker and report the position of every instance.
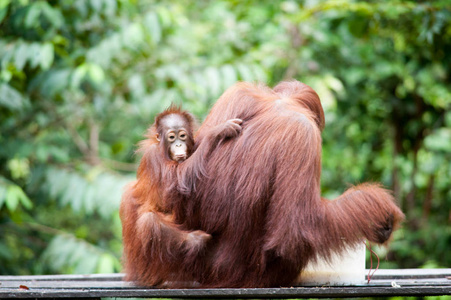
(81, 80)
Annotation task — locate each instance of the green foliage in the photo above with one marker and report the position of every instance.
(11, 195)
(71, 255)
(81, 80)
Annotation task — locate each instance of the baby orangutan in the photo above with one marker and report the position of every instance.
(153, 243)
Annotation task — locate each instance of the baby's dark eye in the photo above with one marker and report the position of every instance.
(171, 137)
(182, 136)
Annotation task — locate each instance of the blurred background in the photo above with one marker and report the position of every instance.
(80, 81)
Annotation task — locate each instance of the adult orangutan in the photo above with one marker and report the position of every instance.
(153, 243)
(259, 197)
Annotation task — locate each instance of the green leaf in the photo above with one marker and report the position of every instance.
(5, 75)
(11, 98)
(96, 73)
(25, 201)
(35, 54)
(214, 81)
(358, 25)
(12, 197)
(110, 7)
(164, 16)
(54, 82)
(33, 13)
(245, 72)
(66, 253)
(78, 75)
(53, 15)
(19, 168)
(132, 35)
(96, 5)
(440, 140)
(106, 264)
(87, 263)
(229, 76)
(3, 9)
(152, 24)
(6, 252)
(82, 7)
(3, 193)
(21, 55)
(448, 119)
(259, 73)
(46, 55)
(136, 85)
(89, 199)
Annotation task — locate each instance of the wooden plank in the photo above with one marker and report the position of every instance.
(87, 277)
(311, 292)
(411, 282)
(56, 284)
(410, 273)
(73, 284)
(380, 274)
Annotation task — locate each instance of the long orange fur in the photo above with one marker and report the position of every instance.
(258, 196)
(154, 245)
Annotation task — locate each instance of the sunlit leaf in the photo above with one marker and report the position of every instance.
(19, 168)
(164, 16)
(152, 24)
(33, 13)
(110, 7)
(21, 55)
(245, 73)
(132, 35)
(440, 140)
(3, 191)
(46, 55)
(68, 254)
(53, 15)
(214, 81)
(10, 98)
(4, 8)
(229, 76)
(136, 85)
(96, 5)
(96, 73)
(13, 194)
(87, 263)
(260, 74)
(54, 82)
(106, 264)
(78, 75)
(35, 54)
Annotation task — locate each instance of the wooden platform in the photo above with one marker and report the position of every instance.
(408, 282)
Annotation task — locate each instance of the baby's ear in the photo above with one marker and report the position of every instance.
(157, 137)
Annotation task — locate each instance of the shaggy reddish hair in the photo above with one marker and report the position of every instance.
(258, 196)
